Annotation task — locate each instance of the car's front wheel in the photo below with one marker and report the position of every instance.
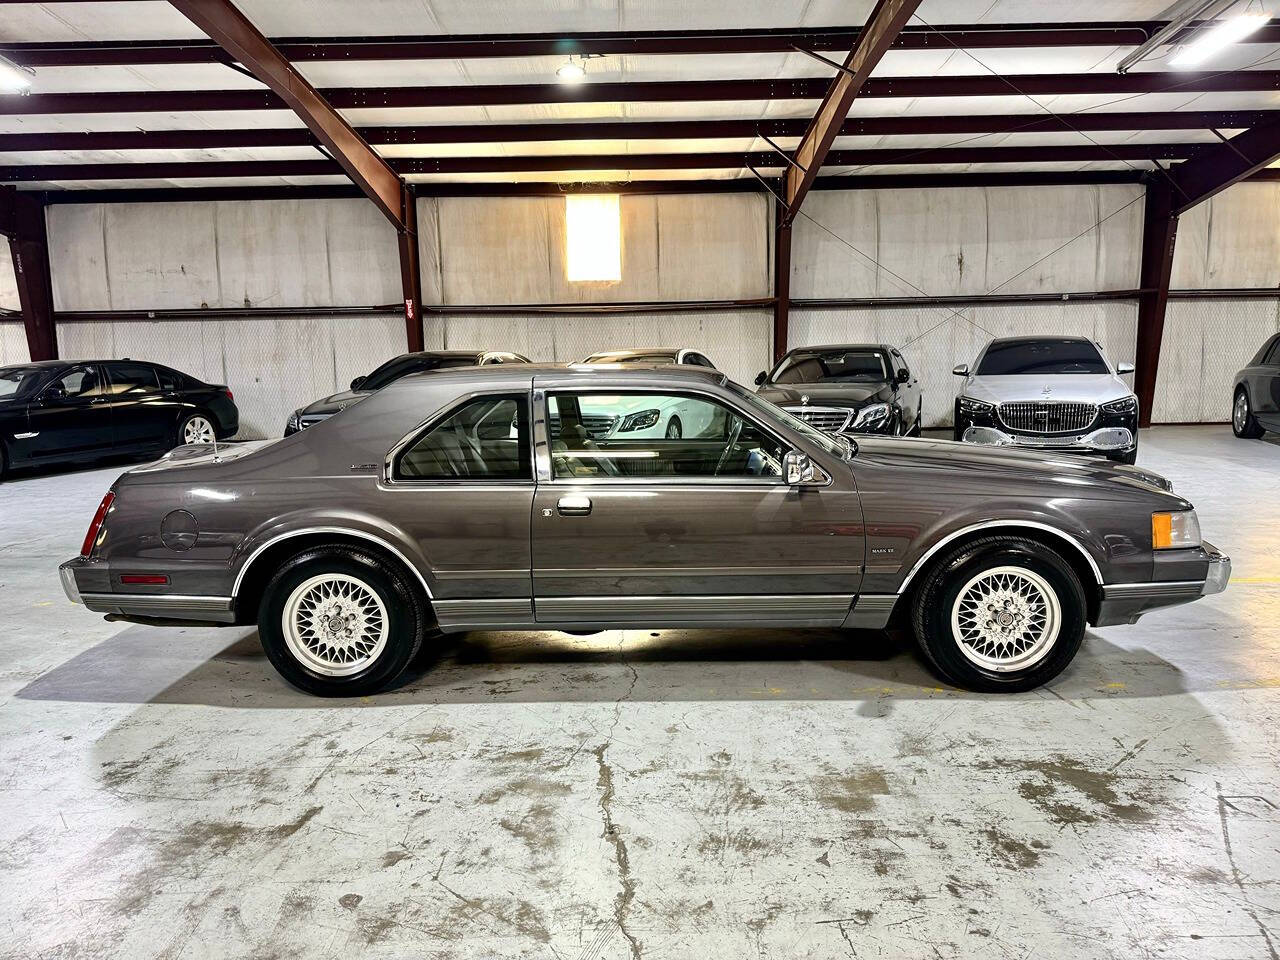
(1243, 423)
(1001, 614)
(341, 622)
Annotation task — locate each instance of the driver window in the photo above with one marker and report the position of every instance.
(78, 383)
(646, 435)
(487, 438)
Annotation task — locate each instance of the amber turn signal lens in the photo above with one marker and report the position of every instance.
(1175, 530)
(1161, 530)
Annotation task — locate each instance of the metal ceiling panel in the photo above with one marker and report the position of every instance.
(70, 22)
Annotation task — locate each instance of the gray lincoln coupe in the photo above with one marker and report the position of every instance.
(538, 497)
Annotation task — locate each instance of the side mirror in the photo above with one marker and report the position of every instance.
(355, 384)
(960, 369)
(761, 377)
(800, 471)
(54, 394)
(1123, 368)
(903, 375)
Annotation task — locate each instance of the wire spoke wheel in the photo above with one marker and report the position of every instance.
(1006, 618)
(197, 430)
(335, 624)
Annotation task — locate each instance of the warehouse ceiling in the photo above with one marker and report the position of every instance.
(130, 94)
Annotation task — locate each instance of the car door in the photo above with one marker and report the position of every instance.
(682, 531)
(462, 486)
(1266, 397)
(143, 415)
(70, 418)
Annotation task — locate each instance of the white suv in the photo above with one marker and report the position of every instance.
(1058, 393)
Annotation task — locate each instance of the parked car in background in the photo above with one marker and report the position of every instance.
(482, 517)
(653, 355)
(1255, 400)
(1048, 393)
(393, 370)
(65, 411)
(847, 388)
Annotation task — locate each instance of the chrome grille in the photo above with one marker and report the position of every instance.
(596, 424)
(1048, 417)
(826, 419)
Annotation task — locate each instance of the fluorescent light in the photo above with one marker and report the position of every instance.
(14, 78)
(571, 71)
(593, 237)
(1215, 38)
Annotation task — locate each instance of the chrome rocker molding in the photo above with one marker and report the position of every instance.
(825, 609)
(996, 525)
(156, 606)
(345, 531)
(871, 611)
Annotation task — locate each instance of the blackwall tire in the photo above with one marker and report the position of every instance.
(957, 432)
(1243, 424)
(1131, 457)
(340, 622)
(1000, 614)
(675, 430)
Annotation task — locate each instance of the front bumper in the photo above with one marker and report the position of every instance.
(1102, 440)
(1126, 602)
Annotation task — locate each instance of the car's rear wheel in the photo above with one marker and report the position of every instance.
(1243, 423)
(1001, 614)
(341, 622)
(196, 428)
(957, 430)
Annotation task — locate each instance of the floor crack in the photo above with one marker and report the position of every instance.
(622, 902)
(1235, 874)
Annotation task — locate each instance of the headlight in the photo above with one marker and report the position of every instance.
(639, 421)
(872, 415)
(1175, 531)
(1122, 406)
(975, 407)
(294, 423)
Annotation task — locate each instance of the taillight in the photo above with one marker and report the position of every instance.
(230, 395)
(95, 527)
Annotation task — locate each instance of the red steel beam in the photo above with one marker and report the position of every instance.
(1216, 168)
(1083, 153)
(1159, 231)
(233, 31)
(639, 129)
(22, 221)
(477, 46)
(802, 88)
(883, 26)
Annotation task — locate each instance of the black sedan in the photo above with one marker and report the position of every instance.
(75, 411)
(389, 372)
(1255, 404)
(847, 388)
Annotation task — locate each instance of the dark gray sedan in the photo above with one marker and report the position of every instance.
(1255, 402)
(478, 499)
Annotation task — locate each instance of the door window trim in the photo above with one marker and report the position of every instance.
(389, 481)
(542, 441)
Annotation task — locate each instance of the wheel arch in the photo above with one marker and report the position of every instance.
(265, 558)
(1060, 541)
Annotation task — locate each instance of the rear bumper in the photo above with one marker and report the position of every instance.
(1126, 602)
(89, 582)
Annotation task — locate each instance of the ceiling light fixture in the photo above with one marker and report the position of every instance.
(572, 71)
(15, 78)
(1215, 38)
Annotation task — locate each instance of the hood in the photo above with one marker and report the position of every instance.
(826, 394)
(334, 402)
(1079, 387)
(976, 462)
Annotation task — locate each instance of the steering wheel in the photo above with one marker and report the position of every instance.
(734, 433)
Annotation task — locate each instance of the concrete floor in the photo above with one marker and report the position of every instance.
(675, 794)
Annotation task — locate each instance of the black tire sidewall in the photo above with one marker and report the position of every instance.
(679, 427)
(944, 585)
(404, 621)
(1252, 429)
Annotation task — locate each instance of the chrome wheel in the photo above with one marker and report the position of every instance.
(197, 430)
(335, 624)
(1006, 618)
(1240, 415)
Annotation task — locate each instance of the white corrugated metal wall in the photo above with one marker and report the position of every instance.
(509, 252)
(13, 339)
(1229, 242)
(965, 242)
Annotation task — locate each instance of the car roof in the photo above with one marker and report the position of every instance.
(642, 352)
(451, 353)
(1033, 338)
(640, 372)
(840, 346)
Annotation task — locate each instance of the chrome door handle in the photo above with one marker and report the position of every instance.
(573, 506)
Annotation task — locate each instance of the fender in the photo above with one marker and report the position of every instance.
(362, 527)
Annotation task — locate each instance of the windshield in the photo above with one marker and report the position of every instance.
(399, 367)
(833, 366)
(1015, 357)
(19, 381)
(835, 446)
